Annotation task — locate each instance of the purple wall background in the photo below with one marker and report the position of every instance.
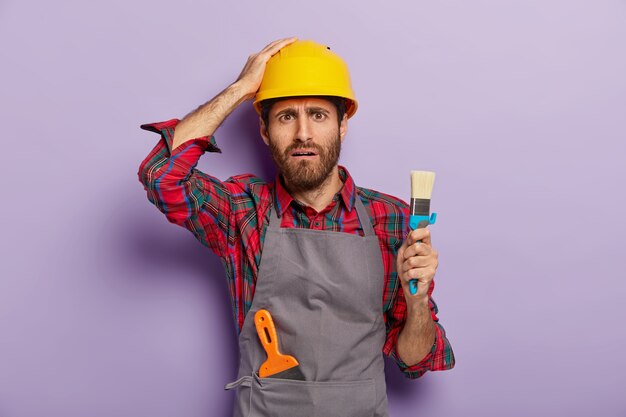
(106, 309)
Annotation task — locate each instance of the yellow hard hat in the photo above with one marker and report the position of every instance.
(306, 68)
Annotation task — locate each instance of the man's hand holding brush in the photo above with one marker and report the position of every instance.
(417, 259)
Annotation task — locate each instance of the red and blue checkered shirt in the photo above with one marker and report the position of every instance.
(230, 218)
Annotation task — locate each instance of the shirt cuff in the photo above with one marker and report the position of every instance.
(166, 129)
(420, 368)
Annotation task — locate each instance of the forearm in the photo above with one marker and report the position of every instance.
(418, 334)
(187, 196)
(205, 120)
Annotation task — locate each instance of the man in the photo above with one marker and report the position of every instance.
(329, 260)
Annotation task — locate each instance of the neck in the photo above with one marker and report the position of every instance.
(321, 196)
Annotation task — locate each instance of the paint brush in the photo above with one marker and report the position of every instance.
(277, 365)
(421, 190)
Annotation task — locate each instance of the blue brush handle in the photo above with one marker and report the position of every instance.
(417, 221)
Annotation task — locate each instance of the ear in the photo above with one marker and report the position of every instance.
(263, 131)
(343, 126)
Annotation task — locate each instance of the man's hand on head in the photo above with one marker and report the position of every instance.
(207, 118)
(252, 74)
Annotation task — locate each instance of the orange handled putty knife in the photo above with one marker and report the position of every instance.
(277, 365)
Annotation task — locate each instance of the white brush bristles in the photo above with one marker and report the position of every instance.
(422, 184)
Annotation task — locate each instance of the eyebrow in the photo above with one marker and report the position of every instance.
(289, 110)
(292, 111)
(317, 110)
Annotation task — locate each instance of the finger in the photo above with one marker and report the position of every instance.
(271, 44)
(277, 45)
(430, 261)
(261, 58)
(269, 47)
(424, 275)
(418, 249)
(416, 262)
(421, 234)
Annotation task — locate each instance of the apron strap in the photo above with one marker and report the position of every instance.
(364, 218)
(274, 219)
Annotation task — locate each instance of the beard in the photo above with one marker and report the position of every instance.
(306, 175)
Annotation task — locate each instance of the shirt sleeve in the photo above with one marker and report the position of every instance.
(440, 357)
(187, 196)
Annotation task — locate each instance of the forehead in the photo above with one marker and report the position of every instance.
(302, 103)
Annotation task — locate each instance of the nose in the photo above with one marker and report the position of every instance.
(304, 132)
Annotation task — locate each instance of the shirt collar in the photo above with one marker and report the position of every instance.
(347, 193)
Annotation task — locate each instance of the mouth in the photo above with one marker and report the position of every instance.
(303, 154)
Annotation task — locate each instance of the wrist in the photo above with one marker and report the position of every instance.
(241, 90)
(417, 304)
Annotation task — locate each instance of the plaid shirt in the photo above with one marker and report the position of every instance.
(230, 218)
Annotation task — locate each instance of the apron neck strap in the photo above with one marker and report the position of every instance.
(364, 218)
(366, 224)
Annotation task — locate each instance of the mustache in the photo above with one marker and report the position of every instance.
(296, 147)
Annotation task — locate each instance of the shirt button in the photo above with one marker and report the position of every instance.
(317, 224)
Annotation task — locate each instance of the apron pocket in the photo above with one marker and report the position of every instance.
(275, 397)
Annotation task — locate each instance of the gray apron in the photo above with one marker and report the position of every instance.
(324, 290)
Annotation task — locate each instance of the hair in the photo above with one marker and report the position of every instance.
(266, 106)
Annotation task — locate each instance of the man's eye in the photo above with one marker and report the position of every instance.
(319, 116)
(285, 117)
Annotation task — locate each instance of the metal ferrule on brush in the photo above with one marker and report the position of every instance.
(420, 213)
(420, 206)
